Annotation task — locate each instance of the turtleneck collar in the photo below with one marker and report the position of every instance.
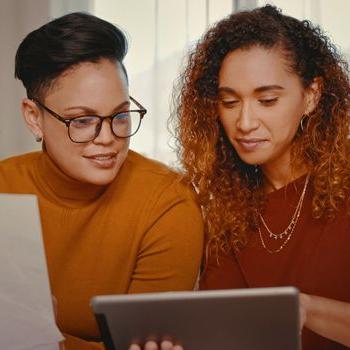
(64, 190)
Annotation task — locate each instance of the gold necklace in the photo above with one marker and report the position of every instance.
(288, 232)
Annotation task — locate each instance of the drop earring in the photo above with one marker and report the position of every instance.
(302, 122)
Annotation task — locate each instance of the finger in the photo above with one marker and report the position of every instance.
(134, 347)
(151, 345)
(178, 347)
(166, 345)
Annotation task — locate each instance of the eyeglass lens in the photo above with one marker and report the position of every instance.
(87, 128)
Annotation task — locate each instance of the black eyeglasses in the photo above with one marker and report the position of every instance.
(86, 128)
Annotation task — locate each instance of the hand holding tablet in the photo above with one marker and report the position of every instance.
(244, 319)
(152, 345)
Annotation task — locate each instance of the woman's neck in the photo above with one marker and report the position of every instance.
(63, 189)
(277, 177)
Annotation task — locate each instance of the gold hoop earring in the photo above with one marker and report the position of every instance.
(302, 121)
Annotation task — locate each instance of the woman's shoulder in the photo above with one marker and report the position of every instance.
(146, 176)
(19, 165)
(16, 172)
(149, 171)
(21, 160)
(148, 165)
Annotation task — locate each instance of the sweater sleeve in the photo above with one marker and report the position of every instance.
(74, 343)
(170, 253)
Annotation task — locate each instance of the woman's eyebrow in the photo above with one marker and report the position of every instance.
(225, 89)
(87, 109)
(268, 88)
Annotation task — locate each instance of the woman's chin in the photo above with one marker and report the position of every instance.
(101, 178)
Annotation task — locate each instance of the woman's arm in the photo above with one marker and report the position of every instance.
(327, 317)
(74, 343)
(170, 253)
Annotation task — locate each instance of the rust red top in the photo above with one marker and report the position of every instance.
(316, 259)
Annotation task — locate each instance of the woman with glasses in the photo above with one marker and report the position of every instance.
(113, 221)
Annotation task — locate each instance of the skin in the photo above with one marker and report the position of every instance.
(326, 317)
(88, 88)
(261, 103)
(151, 345)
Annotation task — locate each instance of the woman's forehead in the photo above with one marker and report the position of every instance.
(255, 68)
(90, 84)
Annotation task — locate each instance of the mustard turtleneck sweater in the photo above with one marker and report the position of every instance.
(126, 237)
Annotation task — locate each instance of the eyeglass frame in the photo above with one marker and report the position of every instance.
(142, 111)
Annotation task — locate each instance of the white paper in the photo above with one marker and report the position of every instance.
(26, 312)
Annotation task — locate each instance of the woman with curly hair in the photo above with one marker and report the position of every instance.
(263, 125)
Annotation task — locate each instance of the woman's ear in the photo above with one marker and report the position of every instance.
(33, 117)
(313, 95)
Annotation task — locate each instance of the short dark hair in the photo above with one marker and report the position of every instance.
(48, 51)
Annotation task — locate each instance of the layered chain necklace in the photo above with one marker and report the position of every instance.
(286, 234)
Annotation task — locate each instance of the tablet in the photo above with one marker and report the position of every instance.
(240, 319)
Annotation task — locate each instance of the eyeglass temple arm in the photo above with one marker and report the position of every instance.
(144, 110)
(54, 114)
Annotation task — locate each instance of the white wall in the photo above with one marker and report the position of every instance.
(332, 16)
(152, 67)
(17, 18)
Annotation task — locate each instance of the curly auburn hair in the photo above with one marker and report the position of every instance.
(230, 191)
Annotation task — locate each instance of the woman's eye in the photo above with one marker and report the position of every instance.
(229, 103)
(83, 122)
(268, 101)
(122, 116)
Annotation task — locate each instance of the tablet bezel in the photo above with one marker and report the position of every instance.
(179, 303)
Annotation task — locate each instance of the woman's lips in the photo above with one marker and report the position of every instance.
(103, 160)
(251, 144)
